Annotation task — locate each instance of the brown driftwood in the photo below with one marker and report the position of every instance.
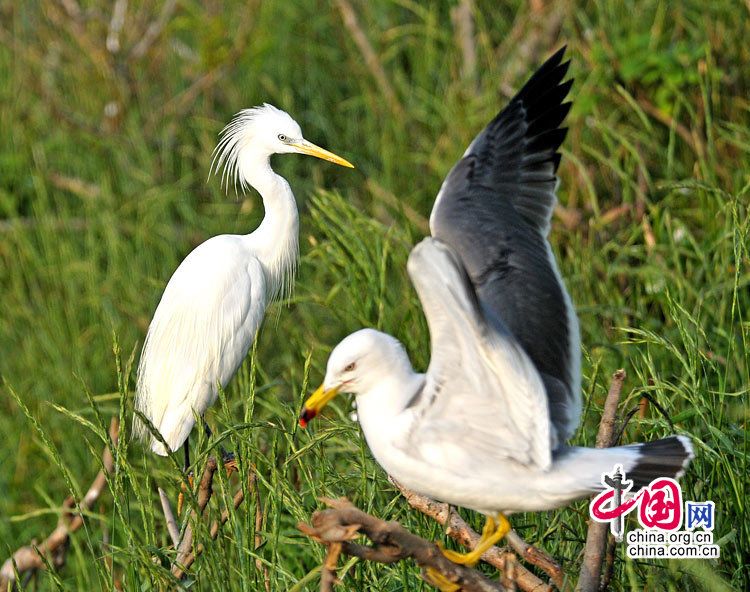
(596, 537)
(336, 528)
(52, 550)
(460, 531)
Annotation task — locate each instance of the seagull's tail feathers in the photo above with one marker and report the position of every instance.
(580, 470)
(668, 457)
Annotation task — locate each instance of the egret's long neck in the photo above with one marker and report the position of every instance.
(276, 241)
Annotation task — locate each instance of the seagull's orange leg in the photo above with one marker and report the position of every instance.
(494, 530)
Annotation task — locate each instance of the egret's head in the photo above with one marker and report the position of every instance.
(356, 365)
(254, 134)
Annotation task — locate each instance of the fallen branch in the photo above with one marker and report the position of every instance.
(457, 528)
(52, 551)
(392, 542)
(596, 537)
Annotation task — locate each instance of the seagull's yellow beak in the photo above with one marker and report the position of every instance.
(315, 403)
(305, 147)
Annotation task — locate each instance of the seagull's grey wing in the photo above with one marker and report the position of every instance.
(494, 209)
(482, 397)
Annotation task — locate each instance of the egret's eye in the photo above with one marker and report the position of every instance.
(282, 137)
(350, 367)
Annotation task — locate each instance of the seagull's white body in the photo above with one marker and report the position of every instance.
(215, 301)
(451, 459)
(485, 427)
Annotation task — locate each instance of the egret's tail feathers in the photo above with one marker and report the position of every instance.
(158, 448)
(663, 458)
(142, 433)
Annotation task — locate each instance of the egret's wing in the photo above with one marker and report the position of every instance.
(494, 209)
(482, 398)
(200, 334)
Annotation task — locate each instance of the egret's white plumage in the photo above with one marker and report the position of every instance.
(215, 301)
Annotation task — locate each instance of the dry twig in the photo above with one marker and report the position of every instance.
(392, 542)
(596, 537)
(52, 550)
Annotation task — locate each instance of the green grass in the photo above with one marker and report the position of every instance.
(97, 211)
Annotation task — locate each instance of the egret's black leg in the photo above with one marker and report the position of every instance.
(188, 474)
(186, 449)
(207, 429)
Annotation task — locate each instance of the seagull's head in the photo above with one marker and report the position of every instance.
(355, 366)
(254, 135)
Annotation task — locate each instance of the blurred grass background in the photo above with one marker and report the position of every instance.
(109, 112)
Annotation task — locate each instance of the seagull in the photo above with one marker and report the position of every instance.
(215, 301)
(485, 428)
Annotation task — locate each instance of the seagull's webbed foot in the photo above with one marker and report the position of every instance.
(494, 530)
(435, 578)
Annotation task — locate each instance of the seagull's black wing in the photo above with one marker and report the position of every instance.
(494, 209)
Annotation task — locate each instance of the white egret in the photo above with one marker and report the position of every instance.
(215, 301)
(485, 427)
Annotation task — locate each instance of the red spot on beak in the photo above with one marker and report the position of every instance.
(306, 416)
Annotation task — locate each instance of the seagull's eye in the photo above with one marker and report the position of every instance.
(350, 367)
(282, 137)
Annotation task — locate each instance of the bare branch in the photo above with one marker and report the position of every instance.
(391, 543)
(174, 531)
(368, 53)
(52, 550)
(462, 16)
(460, 531)
(259, 565)
(606, 434)
(115, 25)
(596, 537)
(154, 30)
(72, 8)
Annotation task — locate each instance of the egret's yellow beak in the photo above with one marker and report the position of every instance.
(305, 147)
(315, 403)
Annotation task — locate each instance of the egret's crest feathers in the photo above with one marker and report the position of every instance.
(240, 133)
